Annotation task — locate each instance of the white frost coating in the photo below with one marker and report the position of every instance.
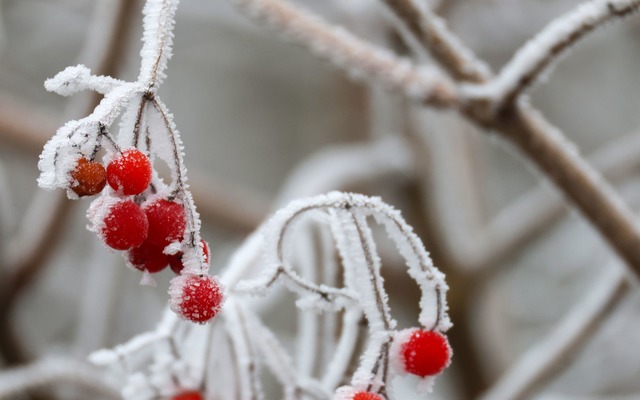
(244, 352)
(363, 282)
(433, 303)
(359, 59)
(252, 344)
(533, 59)
(157, 40)
(77, 78)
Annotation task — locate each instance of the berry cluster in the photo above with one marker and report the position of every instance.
(133, 218)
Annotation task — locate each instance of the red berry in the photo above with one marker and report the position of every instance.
(167, 221)
(197, 298)
(125, 226)
(148, 257)
(191, 395)
(367, 396)
(89, 178)
(426, 353)
(175, 261)
(130, 172)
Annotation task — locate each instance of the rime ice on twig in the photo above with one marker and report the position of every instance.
(534, 58)
(359, 59)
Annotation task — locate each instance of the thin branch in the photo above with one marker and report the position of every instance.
(52, 371)
(358, 58)
(555, 156)
(554, 353)
(432, 33)
(533, 59)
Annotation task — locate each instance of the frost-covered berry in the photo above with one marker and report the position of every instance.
(125, 225)
(148, 257)
(167, 221)
(197, 298)
(425, 353)
(367, 396)
(191, 395)
(130, 172)
(89, 178)
(175, 261)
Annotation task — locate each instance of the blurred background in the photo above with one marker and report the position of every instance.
(263, 122)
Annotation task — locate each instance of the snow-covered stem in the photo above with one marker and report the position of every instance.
(432, 33)
(360, 59)
(532, 60)
(548, 357)
(47, 372)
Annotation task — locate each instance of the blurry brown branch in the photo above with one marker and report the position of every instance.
(540, 142)
(359, 58)
(30, 260)
(48, 372)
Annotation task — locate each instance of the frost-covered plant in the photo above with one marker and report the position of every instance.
(224, 359)
(155, 223)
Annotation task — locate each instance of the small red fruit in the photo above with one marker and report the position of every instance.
(367, 396)
(426, 353)
(167, 221)
(148, 257)
(125, 226)
(89, 177)
(191, 395)
(175, 261)
(197, 298)
(130, 172)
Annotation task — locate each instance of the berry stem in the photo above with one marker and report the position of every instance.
(103, 132)
(180, 187)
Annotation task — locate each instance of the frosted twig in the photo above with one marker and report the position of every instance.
(432, 33)
(279, 362)
(543, 361)
(358, 58)
(534, 58)
(245, 356)
(48, 372)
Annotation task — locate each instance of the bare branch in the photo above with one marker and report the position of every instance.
(358, 58)
(52, 371)
(432, 33)
(546, 359)
(535, 57)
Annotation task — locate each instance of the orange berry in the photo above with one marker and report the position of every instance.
(89, 177)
